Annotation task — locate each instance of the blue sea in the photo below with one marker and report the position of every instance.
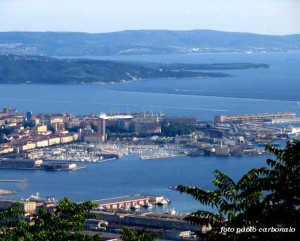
(252, 91)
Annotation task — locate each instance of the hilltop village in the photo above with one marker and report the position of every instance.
(51, 141)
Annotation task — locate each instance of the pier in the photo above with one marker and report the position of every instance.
(7, 192)
(12, 180)
(127, 202)
(285, 120)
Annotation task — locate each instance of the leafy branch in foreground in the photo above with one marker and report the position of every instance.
(64, 224)
(133, 235)
(262, 199)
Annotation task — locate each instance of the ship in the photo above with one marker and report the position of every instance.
(292, 131)
(36, 198)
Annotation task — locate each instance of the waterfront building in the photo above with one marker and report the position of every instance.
(222, 151)
(19, 163)
(5, 149)
(42, 143)
(148, 127)
(58, 166)
(122, 202)
(54, 140)
(66, 138)
(253, 117)
(28, 146)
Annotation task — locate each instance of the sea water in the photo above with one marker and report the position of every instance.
(253, 91)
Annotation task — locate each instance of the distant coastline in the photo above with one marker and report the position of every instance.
(17, 69)
(143, 42)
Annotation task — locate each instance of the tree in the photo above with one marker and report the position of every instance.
(174, 129)
(133, 235)
(262, 199)
(64, 224)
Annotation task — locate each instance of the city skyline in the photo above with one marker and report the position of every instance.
(264, 17)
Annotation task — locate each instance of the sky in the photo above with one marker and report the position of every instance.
(278, 17)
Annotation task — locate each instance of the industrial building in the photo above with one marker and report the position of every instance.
(19, 163)
(122, 202)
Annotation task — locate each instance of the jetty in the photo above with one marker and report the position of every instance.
(12, 180)
(7, 192)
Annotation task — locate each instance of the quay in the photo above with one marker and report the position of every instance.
(32, 164)
(285, 120)
(21, 181)
(253, 117)
(7, 192)
(127, 202)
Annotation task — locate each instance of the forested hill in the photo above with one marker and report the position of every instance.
(44, 70)
(141, 42)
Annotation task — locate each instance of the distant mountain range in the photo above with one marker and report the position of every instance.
(17, 69)
(141, 42)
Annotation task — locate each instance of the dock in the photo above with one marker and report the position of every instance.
(12, 180)
(7, 192)
(127, 202)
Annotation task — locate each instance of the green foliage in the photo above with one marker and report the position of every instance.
(64, 224)
(38, 69)
(29, 123)
(174, 129)
(133, 235)
(5, 132)
(94, 127)
(51, 128)
(262, 198)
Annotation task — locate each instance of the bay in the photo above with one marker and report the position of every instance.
(253, 91)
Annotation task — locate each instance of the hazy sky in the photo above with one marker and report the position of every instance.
(258, 16)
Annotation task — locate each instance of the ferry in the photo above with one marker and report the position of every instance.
(36, 198)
